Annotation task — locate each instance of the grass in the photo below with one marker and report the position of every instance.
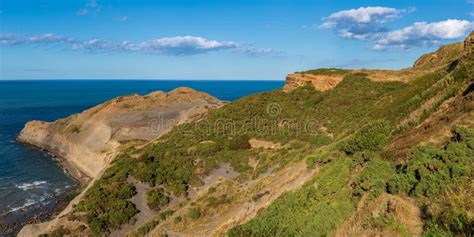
(327, 71)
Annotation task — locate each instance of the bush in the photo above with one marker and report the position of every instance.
(157, 199)
(372, 137)
(239, 143)
(147, 227)
(212, 201)
(164, 215)
(431, 170)
(374, 176)
(320, 140)
(211, 189)
(194, 214)
(59, 232)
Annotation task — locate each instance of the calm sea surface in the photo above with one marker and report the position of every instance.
(31, 183)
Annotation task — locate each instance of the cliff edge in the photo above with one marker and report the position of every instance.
(84, 142)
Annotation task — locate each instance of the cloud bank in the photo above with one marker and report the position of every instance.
(174, 46)
(370, 24)
(422, 34)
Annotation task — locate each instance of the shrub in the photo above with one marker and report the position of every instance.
(178, 219)
(59, 232)
(431, 170)
(239, 142)
(157, 199)
(164, 215)
(372, 137)
(194, 214)
(212, 201)
(374, 176)
(211, 189)
(320, 140)
(147, 227)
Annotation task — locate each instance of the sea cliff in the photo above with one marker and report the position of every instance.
(85, 143)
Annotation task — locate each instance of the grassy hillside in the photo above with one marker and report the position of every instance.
(438, 179)
(345, 131)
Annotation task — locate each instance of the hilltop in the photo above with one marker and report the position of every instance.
(336, 151)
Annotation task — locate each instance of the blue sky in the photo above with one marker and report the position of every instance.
(197, 39)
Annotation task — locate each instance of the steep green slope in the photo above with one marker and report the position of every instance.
(438, 179)
(347, 131)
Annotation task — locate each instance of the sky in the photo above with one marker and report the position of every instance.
(227, 40)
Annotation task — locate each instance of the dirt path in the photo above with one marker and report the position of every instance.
(224, 172)
(140, 202)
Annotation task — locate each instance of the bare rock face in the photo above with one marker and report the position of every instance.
(85, 141)
(319, 82)
(469, 43)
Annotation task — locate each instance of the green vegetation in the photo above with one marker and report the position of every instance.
(374, 176)
(157, 199)
(74, 128)
(431, 171)
(194, 214)
(327, 71)
(320, 140)
(319, 207)
(326, 201)
(145, 228)
(311, 125)
(106, 203)
(372, 137)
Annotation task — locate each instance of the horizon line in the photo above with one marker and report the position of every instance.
(138, 79)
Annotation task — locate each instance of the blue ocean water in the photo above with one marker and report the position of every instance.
(31, 182)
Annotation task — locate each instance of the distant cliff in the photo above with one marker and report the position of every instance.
(327, 78)
(84, 142)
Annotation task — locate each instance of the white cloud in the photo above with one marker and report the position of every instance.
(362, 23)
(122, 18)
(370, 24)
(424, 34)
(91, 7)
(48, 38)
(176, 46)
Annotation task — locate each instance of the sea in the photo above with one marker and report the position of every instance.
(32, 184)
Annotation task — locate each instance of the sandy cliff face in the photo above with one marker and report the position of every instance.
(85, 141)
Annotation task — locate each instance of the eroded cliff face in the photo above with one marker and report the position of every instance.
(326, 79)
(86, 142)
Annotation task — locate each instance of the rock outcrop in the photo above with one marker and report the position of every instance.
(469, 43)
(85, 142)
(326, 79)
(319, 82)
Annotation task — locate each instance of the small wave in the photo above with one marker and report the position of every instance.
(28, 186)
(29, 202)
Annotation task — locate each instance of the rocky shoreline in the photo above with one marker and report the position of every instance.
(68, 168)
(18, 219)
